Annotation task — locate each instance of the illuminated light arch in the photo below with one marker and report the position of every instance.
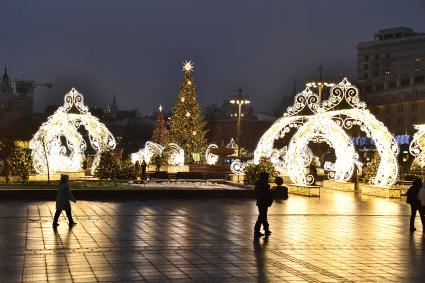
(384, 141)
(174, 151)
(417, 146)
(297, 159)
(305, 100)
(354, 112)
(211, 157)
(59, 141)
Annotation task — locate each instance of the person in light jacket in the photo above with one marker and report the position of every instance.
(64, 195)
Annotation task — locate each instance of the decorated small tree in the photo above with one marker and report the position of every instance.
(108, 167)
(372, 168)
(252, 171)
(187, 127)
(160, 133)
(20, 159)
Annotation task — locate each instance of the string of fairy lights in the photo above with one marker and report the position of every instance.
(58, 145)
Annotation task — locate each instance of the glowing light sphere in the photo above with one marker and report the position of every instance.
(237, 167)
(59, 143)
(326, 122)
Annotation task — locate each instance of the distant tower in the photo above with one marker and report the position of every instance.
(114, 107)
(6, 83)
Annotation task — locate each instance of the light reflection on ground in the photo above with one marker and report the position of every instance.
(338, 237)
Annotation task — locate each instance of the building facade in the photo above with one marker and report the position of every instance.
(391, 78)
(16, 108)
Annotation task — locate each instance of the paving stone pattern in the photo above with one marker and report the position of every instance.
(341, 237)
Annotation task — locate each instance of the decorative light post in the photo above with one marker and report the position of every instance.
(239, 101)
(320, 84)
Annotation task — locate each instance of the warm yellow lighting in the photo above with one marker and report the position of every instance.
(326, 124)
(187, 66)
(174, 151)
(59, 141)
(417, 146)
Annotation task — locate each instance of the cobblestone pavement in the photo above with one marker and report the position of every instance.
(339, 237)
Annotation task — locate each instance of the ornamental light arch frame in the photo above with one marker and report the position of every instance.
(417, 145)
(292, 119)
(345, 108)
(58, 142)
(334, 136)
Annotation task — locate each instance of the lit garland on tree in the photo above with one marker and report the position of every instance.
(187, 128)
(160, 133)
(20, 158)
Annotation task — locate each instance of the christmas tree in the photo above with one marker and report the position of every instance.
(372, 168)
(160, 133)
(187, 128)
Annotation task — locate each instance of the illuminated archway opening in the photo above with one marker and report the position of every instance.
(334, 136)
(58, 143)
(345, 109)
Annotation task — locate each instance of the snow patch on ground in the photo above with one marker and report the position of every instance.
(182, 185)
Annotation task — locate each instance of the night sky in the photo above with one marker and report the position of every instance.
(135, 48)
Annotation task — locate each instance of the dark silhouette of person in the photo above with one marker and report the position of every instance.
(143, 169)
(415, 204)
(264, 200)
(279, 191)
(63, 196)
(137, 170)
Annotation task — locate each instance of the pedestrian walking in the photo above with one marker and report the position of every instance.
(279, 191)
(137, 170)
(64, 195)
(415, 204)
(143, 170)
(264, 201)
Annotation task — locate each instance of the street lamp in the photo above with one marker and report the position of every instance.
(320, 84)
(239, 101)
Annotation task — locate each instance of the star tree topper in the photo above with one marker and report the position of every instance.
(187, 66)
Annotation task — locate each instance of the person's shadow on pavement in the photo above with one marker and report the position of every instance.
(260, 247)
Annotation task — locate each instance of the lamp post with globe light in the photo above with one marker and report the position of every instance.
(239, 101)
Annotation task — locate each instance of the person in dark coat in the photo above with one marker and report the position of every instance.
(415, 204)
(64, 195)
(264, 200)
(137, 170)
(143, 169)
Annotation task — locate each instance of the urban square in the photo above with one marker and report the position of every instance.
(212, 141)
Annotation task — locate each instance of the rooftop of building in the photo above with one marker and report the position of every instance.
(395, 34)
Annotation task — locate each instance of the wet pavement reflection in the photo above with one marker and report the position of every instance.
(339, 237)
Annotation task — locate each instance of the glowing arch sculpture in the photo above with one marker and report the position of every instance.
(344, 109)
(298, 158)
(59, 141)
(417, 146)
(211, 157)
(174, 151)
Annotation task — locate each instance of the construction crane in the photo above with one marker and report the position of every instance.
(27, 87)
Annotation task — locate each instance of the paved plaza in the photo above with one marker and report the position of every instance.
(341, 237)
